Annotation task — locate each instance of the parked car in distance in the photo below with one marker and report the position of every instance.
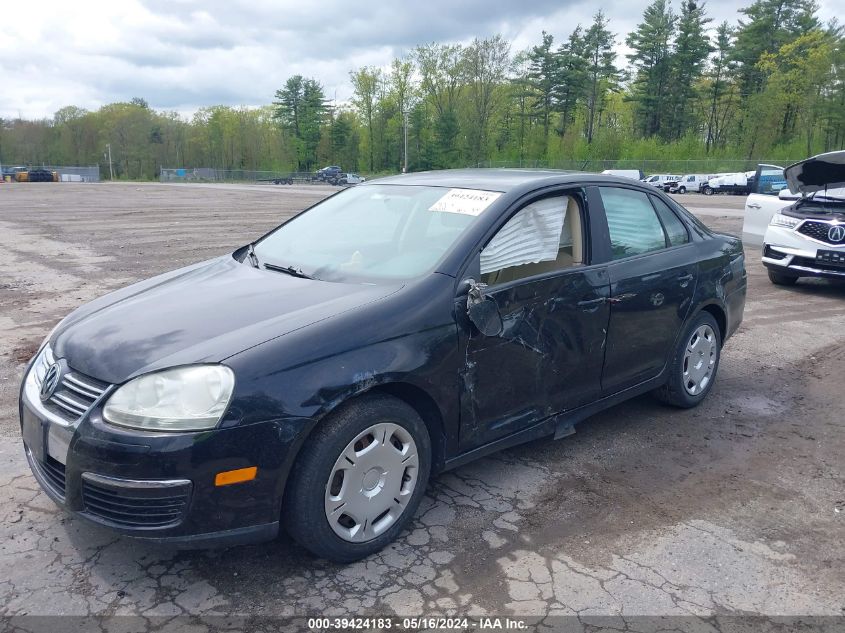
(807, 237)
(739, 183)
(318, 377)
(42, 175)
(690, 183)
(636, 174)
(347, 179)
(327, 173)
(769, 194)
(670, 184)
(658, 180)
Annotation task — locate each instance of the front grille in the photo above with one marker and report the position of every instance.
(75, 394)
(55, 472)
(135, 507)
(818, 231)
(52, 473)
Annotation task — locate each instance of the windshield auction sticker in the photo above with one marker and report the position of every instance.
(465, 201)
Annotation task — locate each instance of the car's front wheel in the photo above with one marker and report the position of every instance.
(359, 479)
(694, 364)
(781, 279)
(682, 189)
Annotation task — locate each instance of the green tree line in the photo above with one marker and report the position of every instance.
(771, 85)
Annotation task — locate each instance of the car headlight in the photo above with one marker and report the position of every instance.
(190, 398)
(778, 219)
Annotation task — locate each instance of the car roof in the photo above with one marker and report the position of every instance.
(503, 180)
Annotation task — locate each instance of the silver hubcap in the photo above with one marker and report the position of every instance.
(371, 482)
(700, 360)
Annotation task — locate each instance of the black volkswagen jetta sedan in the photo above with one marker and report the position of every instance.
(317, 378)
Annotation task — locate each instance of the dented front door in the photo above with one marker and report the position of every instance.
(547, 359)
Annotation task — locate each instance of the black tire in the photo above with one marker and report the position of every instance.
(707, 191)
(781, 279)
(682, 189)
(674, 392)
(303, 512)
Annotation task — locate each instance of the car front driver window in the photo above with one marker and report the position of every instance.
(544, 236)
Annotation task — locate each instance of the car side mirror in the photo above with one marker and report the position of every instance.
(786, 194)
(482, 310)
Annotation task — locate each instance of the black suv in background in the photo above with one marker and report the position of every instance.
(328, 173)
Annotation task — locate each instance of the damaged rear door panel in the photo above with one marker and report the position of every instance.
(653, 276)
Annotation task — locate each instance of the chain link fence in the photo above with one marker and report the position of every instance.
(71, 173)
(655, 166)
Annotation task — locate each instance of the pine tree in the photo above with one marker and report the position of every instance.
(718, 85)
(770, 24)
(571, 78)
(652, 61)
(692, 46)
(601, 72)
(301, 108)
(543, 77)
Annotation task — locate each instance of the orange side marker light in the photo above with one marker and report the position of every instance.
(235, 476)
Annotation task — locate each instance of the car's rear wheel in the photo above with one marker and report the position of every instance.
(359, 479)
(694, 364)
(781, 279)
(707, 191)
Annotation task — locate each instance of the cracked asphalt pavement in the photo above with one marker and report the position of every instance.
(734, 508)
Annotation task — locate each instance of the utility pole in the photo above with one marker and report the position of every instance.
(405, 168)
(111, 170)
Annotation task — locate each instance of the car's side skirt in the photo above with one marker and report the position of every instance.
(559, 425)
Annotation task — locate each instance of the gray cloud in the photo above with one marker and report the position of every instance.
(184, 54)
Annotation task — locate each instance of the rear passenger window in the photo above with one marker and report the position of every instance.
(675, 229)
(632, 221)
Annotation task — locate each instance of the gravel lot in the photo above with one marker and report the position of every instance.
(737, 507)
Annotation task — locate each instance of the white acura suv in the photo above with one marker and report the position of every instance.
(807, 238)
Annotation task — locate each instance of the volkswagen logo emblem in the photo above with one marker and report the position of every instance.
(836, 233)
(50, 382)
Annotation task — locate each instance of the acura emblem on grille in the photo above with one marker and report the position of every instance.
(50, 382)
(836, 233)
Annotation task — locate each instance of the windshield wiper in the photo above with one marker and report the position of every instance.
(251, 256)
(290, 270)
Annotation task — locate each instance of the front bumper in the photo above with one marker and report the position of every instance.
(160, 486)
(791, 253)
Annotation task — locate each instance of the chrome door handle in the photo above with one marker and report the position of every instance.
(591, 303)
(753, 205)
(621, 298)
(685, 279)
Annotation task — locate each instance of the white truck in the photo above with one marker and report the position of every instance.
(739, 183)
(658, 180)
(636, 174)
(691, 183)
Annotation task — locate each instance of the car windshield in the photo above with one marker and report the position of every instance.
(837, 193)
(371, 233)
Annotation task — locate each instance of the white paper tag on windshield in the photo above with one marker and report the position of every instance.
(465, 201)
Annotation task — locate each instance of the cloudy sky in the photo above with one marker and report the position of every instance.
(184, 54)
